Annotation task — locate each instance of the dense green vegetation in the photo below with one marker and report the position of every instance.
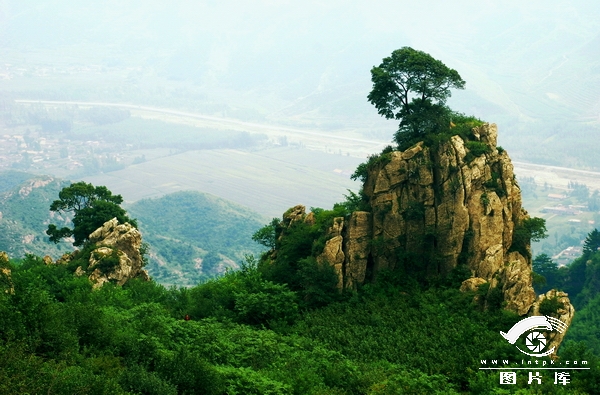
(248, 335)
(580, 279)
(90, 207)
(194, 236)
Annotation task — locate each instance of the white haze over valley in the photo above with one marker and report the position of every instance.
(275, 67)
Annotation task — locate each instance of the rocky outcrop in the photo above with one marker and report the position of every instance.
(6, 284)
(564, 313)
(333, 253)
(117, 257)
(455, 204)
(357, 248)
(34, 184)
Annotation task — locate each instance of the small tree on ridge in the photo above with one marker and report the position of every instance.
(413, 87)
(91, 206)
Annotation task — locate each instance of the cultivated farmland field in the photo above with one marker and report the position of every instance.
(268, 181)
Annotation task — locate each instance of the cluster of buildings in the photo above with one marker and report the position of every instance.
(24, 152)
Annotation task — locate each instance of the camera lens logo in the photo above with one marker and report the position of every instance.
(535, 341)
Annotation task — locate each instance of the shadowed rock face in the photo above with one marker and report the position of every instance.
(433, 209)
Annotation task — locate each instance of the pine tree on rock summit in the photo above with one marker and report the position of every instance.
(91, 206)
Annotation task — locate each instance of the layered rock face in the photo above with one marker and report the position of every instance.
(433, 209)
(445, 205)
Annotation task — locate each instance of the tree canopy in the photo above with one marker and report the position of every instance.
(413, 87)
(92, 207)
(592, 242)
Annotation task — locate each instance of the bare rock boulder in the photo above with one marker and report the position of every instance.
(117, 257)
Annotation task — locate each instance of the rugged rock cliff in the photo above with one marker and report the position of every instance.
(457, 204)
(432, 210)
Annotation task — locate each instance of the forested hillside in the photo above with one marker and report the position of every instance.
(24, 206)
(194, 236)
(249, 335)
(184, 248)
(581, 279)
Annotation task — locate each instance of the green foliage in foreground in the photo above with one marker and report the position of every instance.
(248, 335)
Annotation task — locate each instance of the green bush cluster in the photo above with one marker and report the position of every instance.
(246, 335)
(526, 231)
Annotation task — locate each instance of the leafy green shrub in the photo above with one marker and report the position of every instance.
(78, 380)
(493, 184)
(190, 374)
(245, 381)
(270, 303)
(106, 263)
(138, 380)
(414, 212)
(318, 283)
(528, 230)
(485, 200)
(362, 171)
(495, 298)
(551, 306)
(464, 124)
(588, 381)
(356, 202)
(477, 148)
(267, 235)
(413, 382)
